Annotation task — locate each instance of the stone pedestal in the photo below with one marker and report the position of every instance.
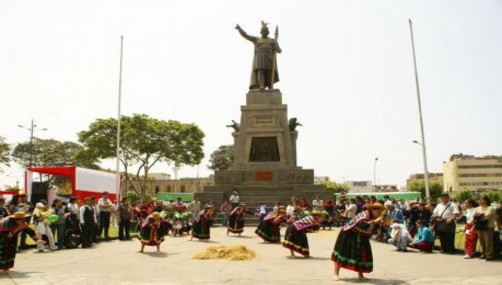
(265, 167)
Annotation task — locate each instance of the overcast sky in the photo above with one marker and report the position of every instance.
(346, 73)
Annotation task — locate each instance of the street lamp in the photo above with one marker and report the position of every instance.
(374, 173)
(426, 172)
(31, 129)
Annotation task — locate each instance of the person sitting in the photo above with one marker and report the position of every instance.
(424, 240)
(400, 237)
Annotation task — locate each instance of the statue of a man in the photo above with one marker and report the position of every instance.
(264, 73)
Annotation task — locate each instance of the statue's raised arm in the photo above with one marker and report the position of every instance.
(264, 73)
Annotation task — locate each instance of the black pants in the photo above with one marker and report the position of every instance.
(447, 241)
(497, 245)
(124, 229)
(104, 223)
(87, 234)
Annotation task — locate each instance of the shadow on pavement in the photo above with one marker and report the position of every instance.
(374, 281)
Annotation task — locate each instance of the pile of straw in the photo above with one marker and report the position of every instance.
(233, 253)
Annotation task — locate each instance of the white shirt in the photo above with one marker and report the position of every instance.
(469, 214)
(234, 199)
(318, 205)
(350, 211)
(450, 211)
(290, 210)
(102, 202)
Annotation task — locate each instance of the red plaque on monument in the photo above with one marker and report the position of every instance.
(264, 175)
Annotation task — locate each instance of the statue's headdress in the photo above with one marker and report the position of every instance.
(264, 26)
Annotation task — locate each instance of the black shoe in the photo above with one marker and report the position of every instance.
(482, 256)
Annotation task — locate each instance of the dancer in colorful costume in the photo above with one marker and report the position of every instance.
(153, 231)
(236, 219)
(202, 223)
(269, 229)
(10, 227)
(352, 248)
(295, 238)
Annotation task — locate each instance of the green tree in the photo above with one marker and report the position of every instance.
(144, 142)
(463, 195)
(222, 158)
(435, 189)
(4, 153)
(334, 187)
(51, 152)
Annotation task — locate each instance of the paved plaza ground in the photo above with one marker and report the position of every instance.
(117, 262)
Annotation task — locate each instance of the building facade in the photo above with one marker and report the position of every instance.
(182, 185)
(438, 177)
(359, 186)
(472, 173)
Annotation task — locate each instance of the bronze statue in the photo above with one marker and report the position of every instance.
(264, 73)
(234, 125)
(293, 123)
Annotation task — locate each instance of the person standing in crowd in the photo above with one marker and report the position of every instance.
(73, 219)
(42, 211)
(153, 231)
(484, 224)
(236, 219)
(425, 238)
(202, 224)
(269, 229)
(235, 199)
(59, 226)
(395, 214)
(350, 209)
(27, 207)
(4, 212)
(10, 227)
(497, 246)
(471, 235)
(105, 207)
(317, 204)
(225, 209)
(443, 218)
(352, 248)
(262, 211)
(87, 222)
(124, 216)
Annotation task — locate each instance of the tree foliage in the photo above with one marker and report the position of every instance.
(334, 187)
(435, 188)
(144, 141)
(4, 153)
(222, 158)
(51, 152)
(462, 195)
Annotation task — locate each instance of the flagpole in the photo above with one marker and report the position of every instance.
(117, 165)
(424, 153)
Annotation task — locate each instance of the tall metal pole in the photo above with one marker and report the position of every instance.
(374, 173)
(117, 165)
(31, 143)
(424, 152)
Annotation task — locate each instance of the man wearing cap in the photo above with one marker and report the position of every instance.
(105, 207)
(443, 218)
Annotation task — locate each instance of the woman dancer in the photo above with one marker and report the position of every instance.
(269, 229)
(236, 219)
(352, 248)
(201, 224)
(153, 231)
(295, 238)
(471, 235)
(10, 227)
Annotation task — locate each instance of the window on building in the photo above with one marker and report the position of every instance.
(182, 189)
(168, 188)
(157, 189)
